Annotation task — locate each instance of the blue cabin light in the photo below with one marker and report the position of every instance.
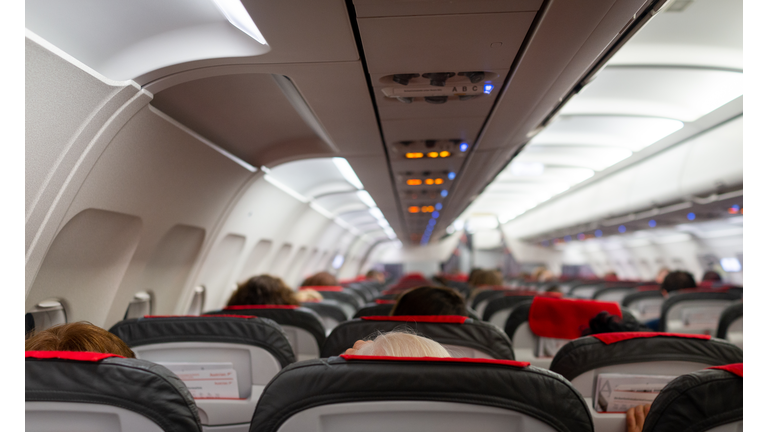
(488, 88)
(451, 175)
(652, 223)
(444, 193)
(691, 216)
(438, 206)
(622, 228)
(463, 147)
(598, 233)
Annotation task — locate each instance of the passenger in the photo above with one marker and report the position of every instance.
(554, 289)
(308, 295)
(487, 278)
(263, 290)
(607, 323)
(663, 272)
(375, 275)
(428, 300)
(321, 279)
(546, 276)
(711, 275)
(473, 274)
(636, 417)
(77, 336)
(537, 273)
(398, 344)
(610, 277)
(674, 281)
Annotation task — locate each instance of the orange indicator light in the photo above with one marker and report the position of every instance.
(413, 209)
(414, 155)
(427, 209)
(429, 181)
(433, 154)
(445, 153)
(438, 181)
(414, 182)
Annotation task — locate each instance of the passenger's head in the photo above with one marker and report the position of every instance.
(375, 275)
(487, 277)
(546, 276)
(607, 323)
(711, 275)
(77, 336)
(473, 275)
(308, 295)
(663, 272)
(263, 290)
(678, 280)
(399, 344)
(611, 276)
(320, 279)
(554, 289)
(428, 300)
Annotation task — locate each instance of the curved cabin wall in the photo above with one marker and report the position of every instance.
(121, 200)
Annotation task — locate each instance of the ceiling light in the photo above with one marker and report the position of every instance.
(593, 157)
(346, 170)
(463, 147)
(376, 212)
(526, 168)
(366, 198)
(239, 17)
(413, 182)
(488, 88)
(429, 181)
(383, 223)
(433, 154)
(414, 155)
(445, 153)
(444, 193)
(413, 209)
(451, 175)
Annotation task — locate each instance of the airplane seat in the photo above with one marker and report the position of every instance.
(484, 295)
(695, 312)
(498, 308)
(68, 391)
(461, 336)
(371, 393)
(645, 305)
(349, 300)
(706, 400)
(539, 327)
(302, 326)
(331, 312)
(585, 290)
(462, 287)
(378, 307)
(617, 293)
(366, 290)
(583, 360)
(249, 348)
(731, 324)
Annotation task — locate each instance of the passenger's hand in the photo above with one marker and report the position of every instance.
(359, 344)
(636, 417)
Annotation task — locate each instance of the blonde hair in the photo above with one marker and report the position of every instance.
(401, 344)
(308, 295)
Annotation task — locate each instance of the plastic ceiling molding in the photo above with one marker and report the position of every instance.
(140, 36)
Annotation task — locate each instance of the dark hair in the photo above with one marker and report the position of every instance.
(678, 280)
(427, 300)
(320, 279)
(263, 290)
(486, 277)
(77, 336)
(711, 275)
(607, 323)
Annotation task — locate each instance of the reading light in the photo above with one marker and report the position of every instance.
(366, 198)
(413, 209)
(414, 182)
(239, 17)
(463, 147)
(439, 206)
(438, 181)
(622, 228)
(445, 153)
(451, 175)
(346, 170)
(691, 216)
(433, 154)
(414, 155)
(429, 181)
(427, 209)
(443, 193)
(488, 88)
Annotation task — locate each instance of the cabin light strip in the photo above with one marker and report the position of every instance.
(236, 14)
(200, 138)
(302, 109)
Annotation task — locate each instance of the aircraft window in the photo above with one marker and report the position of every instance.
(198, 300)
(46, 314)
(338, 261)
(140, 305)
(251, 267)
(281, 260)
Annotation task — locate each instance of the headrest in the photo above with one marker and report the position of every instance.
(412, 276)
(736, 368)
(591, 352)
(137, 385)
(323, 288)
(285, 315)
(609, 338)
(243, 307)
(237, 329)
(70, 355)
(532, 391)
(565, 318)
(438, 359)
(385, 301)
(450, 319)
(648, 288)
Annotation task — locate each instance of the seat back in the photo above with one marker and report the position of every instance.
(585, 290)
(377, 308)
(539, 327)
(695, 312)
(249, 349)
(461, 336)
(68, 391)
(303, 327)
(366, 394)
(644, 305)
(485, 294)
(349, 300)
(617, 293)
(331, 312)
(586, 360)
(498, 309)
(706, 400)
(731, 324)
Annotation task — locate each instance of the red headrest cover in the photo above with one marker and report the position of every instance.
(610, 338)
(384, 301)
(565, 318)
(238, 307)
(198, 316)
(451, 319)
(736, 368)
(439, 359)
(70, 355)
(323, 288)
